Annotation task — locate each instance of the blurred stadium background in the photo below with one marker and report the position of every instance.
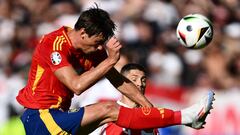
(177, 76)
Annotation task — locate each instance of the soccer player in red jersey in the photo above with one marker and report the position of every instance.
(69, 61)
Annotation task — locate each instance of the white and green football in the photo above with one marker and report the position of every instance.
(194, 31)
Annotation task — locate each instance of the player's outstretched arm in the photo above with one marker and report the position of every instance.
(127, 88)
(79, 83)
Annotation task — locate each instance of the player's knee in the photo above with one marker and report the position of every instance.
(110, 106)
(111, 109)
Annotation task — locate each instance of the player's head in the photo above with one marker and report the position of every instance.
(96, 27)
(135, 73)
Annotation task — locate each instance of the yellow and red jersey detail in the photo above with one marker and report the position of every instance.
(54, 51)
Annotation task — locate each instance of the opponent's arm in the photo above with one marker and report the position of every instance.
(126, 87)
(79, 83)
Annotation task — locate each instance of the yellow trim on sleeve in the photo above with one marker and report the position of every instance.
(58, 42)
(54, 43)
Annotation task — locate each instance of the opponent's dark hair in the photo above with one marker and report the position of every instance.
(131, 66)
(96, 21)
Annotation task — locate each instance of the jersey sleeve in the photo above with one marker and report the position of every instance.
(54, 54)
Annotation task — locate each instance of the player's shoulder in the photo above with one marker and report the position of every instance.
(52, 36)
(56, 40)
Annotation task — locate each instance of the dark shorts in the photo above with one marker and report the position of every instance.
(51, 121)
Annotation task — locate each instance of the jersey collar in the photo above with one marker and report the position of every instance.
(65, 30)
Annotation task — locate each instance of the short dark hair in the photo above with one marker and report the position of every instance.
(96, 21)
(131, 66)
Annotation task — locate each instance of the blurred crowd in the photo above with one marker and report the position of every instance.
(146, 28)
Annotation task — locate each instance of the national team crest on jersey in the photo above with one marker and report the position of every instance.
(146, 110)
(56, 58)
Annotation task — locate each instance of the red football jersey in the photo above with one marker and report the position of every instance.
(43, 89)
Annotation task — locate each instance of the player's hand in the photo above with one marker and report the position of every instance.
(113, 47)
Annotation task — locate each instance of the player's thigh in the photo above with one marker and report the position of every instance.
(102, 112)
(51, 121)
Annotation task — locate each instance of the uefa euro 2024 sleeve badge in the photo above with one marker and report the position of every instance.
(56, 58)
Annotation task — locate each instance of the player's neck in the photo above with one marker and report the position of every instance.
(74, 38)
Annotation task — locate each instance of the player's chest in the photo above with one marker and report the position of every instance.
(81, 63)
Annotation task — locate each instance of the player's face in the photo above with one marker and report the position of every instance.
(138, 78)
(91, 44)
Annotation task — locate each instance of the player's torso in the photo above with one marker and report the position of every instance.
(54, 51)
(43, 89)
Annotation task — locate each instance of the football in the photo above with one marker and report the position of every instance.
(194, 31)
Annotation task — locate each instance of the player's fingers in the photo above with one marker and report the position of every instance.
(116, 44)
(112, 42)
(112, 39)
(118, 47)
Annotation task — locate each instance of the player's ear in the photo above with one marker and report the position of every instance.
(82, 33)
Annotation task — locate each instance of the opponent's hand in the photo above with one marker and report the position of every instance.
(113, 47)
